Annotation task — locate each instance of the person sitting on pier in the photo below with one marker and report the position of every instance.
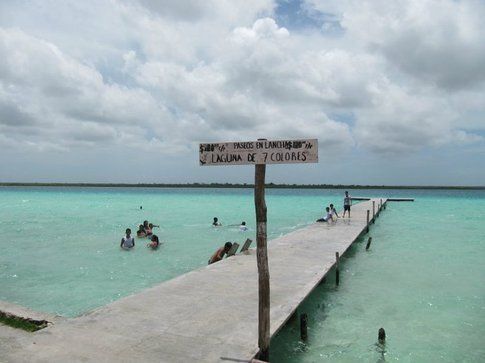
(333, 211)
(127, 242)
(141, 231)
(219, 254)
(327, 218)
(243, 227)
(347, 204)
(154, 242)
(216, 222)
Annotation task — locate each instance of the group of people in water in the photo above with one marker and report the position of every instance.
(331, 214)
(145, 230)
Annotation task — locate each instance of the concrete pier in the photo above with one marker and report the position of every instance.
(207, 315)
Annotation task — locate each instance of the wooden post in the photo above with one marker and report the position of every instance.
(373, 211)
(259, 154)
(368, 212)
(262, 258)
(303, 327)
(380, 205)
(337, 272)
(381, 336)
(368, 243)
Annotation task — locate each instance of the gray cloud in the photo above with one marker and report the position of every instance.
(165, 75)
(11, 115)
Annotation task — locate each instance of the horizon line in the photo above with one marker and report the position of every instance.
(235, 185)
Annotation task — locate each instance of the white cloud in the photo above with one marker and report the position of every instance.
(163, 75)
(436, 41)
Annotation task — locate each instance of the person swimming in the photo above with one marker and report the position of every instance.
(141, 231)
(154, 242)
(243, 227)
(127, 242)
(149, 230)
(216, 223)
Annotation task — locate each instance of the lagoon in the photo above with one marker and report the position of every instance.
(422, 279)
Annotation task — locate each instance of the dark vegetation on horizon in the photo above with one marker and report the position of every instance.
(231, 185)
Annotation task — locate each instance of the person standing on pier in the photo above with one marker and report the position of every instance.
(347, 204)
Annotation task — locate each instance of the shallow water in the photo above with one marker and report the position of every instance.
(422, 279)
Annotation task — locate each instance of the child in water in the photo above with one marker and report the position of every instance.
(154, 242)
(243, 227)
(127, 242)
(141, 231)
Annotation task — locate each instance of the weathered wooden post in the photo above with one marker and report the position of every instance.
(368, 243)
(337, 272)
(368, 212)
(262, 259)
(304, 327)
(381, 336)
(260, 153)
(373, 211)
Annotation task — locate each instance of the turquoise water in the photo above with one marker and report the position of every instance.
(422, 280)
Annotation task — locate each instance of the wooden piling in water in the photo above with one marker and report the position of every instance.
(368, 243)
(368, 212)
(337, 272)
(304, 327)
(373, 211)
(381, 336)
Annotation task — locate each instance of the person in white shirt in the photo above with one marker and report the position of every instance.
(243, 227)
(328, 216)
(347, 204)
(333, 211)
(127, 242)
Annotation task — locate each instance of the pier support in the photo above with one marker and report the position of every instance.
(381, 336)
(368, 243)
(373, 211)
(304, 327)
(368, 212)
(337, 272)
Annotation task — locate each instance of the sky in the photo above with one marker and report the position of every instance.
(125, 90)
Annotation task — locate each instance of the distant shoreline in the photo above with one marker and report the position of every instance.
(241, 186)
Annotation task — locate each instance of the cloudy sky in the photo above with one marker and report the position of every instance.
(124, 90)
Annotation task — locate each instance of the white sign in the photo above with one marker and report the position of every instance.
(259, 152)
